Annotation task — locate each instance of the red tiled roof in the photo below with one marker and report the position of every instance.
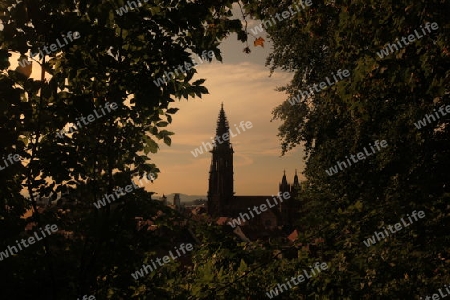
(222, 220)
(293, 236)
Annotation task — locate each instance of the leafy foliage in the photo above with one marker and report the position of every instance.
(382, 99)
(115, 60)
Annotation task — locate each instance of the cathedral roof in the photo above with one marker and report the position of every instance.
(222, 125)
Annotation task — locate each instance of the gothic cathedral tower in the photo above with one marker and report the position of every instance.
(290, 207)
(221, 189)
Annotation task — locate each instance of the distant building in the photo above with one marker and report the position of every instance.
(221, 199)
(177, 201)
(164, 200)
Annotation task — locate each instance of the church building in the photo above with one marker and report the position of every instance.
(221, 199)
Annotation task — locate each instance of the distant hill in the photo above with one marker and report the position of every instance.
(183, 197)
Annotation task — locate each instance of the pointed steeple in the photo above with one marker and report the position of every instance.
(222, 127)
(284, 180)
(284, 186)
(296, 179)
(221, 183)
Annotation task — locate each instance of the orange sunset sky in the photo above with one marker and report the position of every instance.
(243, 84)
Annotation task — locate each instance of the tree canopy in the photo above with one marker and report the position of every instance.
(92, 59)
(383, 99)
(105, 63)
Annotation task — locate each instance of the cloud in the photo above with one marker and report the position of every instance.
(243, 84)
(248, 94)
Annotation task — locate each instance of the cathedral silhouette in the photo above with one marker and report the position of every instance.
(221, 199)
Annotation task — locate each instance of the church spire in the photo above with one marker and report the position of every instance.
(284, 186)
(284, 180)
(222, 127)
(296, 178)
(221, 189)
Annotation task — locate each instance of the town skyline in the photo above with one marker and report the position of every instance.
(258, 167)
